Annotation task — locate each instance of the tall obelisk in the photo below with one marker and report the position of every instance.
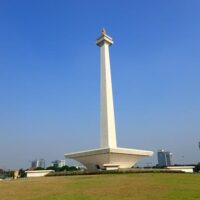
(108, 156)
(107, 117)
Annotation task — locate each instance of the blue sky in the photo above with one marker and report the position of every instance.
(49, 77)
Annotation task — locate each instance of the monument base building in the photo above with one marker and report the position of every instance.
(108, 156)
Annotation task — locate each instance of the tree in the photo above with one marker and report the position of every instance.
(73, 168)
(197, 168)
(65, 168)
(39, 168)
(22, 173)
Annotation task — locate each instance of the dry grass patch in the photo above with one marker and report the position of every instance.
(150, 186)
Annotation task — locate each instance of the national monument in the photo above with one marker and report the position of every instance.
(109, 156)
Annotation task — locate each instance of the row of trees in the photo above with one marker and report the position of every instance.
(10, 173)
(196, 168)
(22, 173)
(59, 169)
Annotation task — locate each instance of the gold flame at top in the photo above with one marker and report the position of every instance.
(103, 31)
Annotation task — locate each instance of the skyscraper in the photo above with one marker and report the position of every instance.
(164, 158)
(58, 163)
(38, 163)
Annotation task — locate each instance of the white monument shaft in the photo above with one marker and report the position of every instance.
(107, 124)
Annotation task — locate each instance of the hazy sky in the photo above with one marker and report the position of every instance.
(50, 77)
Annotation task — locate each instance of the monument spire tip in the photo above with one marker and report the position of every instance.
(103, 31)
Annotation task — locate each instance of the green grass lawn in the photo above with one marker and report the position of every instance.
(138, 186)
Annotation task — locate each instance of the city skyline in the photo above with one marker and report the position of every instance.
(49, 77)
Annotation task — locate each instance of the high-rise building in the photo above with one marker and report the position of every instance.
(38, 163)
(58, 163)
(164, 158)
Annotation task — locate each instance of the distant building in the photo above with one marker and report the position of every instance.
(38, 163)
(38, 173)
(164, 158)
(58, 163)
(187, 169)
